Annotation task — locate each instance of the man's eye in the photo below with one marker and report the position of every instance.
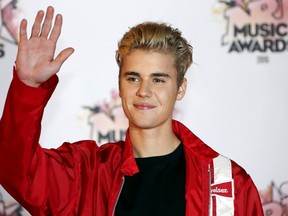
(158, 80)
(132, 79)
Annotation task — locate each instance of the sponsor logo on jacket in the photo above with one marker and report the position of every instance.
(222, 189)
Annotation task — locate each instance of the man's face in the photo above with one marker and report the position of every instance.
(148, 89)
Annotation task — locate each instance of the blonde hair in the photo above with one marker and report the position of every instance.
(158, 37)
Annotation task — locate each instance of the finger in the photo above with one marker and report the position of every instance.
(37, 24)
(46, 27)
(23, 30)
(56, 31)
(62, 57)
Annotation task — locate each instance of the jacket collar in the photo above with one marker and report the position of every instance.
(129, 166)
(191, 143)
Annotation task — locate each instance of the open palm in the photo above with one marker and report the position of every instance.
(35, 62)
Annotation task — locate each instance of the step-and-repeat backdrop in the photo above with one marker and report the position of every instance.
(237, 99)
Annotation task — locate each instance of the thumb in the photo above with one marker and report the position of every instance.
(63, 56)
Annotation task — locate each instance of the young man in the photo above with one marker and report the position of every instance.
(161, 169)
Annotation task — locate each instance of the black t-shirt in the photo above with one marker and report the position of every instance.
(158, 189)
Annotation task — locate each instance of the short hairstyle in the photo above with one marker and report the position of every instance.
(157, 37)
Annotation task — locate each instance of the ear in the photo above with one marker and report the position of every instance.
(119, 84)
(182, 90)
(119, 90)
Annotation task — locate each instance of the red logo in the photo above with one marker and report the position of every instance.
(222, 189)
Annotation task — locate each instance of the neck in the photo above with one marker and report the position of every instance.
(152, 142)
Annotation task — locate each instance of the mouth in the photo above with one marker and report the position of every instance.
(144, 106)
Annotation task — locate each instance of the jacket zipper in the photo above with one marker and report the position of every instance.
(122, 184)
(210, 198)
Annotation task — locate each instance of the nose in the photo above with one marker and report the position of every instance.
(144, 89)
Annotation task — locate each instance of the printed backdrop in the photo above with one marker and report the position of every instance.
(237, 92)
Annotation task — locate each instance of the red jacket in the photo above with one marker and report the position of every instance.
(84, 179)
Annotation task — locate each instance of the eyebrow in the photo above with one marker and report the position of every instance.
(156, 74)
(131, 73)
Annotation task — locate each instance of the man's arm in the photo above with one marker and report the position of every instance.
(248, 201)
(21, 158)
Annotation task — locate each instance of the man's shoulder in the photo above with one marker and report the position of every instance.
(86, 150)
(91, 146)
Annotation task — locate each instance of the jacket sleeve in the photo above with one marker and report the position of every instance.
(23, 163)
(247, 200)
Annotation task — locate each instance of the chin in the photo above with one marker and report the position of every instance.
(143, 124)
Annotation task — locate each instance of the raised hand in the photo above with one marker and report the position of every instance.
(35, 62)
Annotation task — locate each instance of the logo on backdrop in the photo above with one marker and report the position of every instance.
(275, 199)
(107, 120)
(9, 209)
(254, 26)
(9, 24)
